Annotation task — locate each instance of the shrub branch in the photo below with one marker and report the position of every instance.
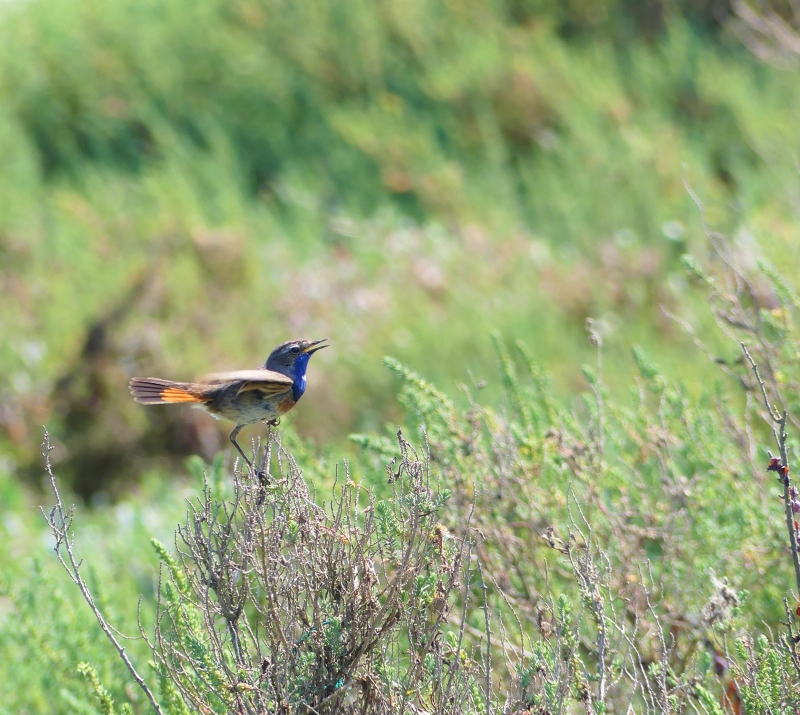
(60, 522)
(782, 467)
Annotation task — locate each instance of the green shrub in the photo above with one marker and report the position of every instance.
(529, 559)
(187, 195)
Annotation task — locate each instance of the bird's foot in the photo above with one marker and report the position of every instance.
(273, 423)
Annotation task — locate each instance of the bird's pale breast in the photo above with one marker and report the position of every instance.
(252, 406)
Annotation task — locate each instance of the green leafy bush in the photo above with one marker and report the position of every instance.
(534, 559)
(185, 196)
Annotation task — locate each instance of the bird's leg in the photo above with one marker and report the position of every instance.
(260, 474)
(233, 434)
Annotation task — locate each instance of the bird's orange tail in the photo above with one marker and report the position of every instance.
(153, 391)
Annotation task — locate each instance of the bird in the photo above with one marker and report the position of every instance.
(242, 396)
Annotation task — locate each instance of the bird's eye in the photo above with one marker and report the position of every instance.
(294, 350)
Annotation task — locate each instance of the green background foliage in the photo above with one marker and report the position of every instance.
(184, 185)
(187, 184)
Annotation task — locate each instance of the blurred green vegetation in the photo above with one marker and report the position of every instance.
(186, 184)
(663, 499)
(183, 185)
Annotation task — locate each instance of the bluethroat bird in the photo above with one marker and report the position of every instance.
(243, 396)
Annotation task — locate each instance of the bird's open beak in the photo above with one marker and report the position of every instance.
(314, 346)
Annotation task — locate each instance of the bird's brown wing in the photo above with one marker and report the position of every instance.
(267, 382)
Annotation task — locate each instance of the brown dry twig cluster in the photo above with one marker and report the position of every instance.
(289, 606)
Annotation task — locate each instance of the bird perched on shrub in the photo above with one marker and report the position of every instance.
(243, 396)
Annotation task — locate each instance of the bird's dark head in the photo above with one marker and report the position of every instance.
(292, 358)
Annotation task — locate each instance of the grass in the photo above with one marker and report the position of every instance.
(213, 183)
(460, 186)
(607, 554)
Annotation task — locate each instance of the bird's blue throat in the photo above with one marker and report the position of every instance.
(299, 367)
